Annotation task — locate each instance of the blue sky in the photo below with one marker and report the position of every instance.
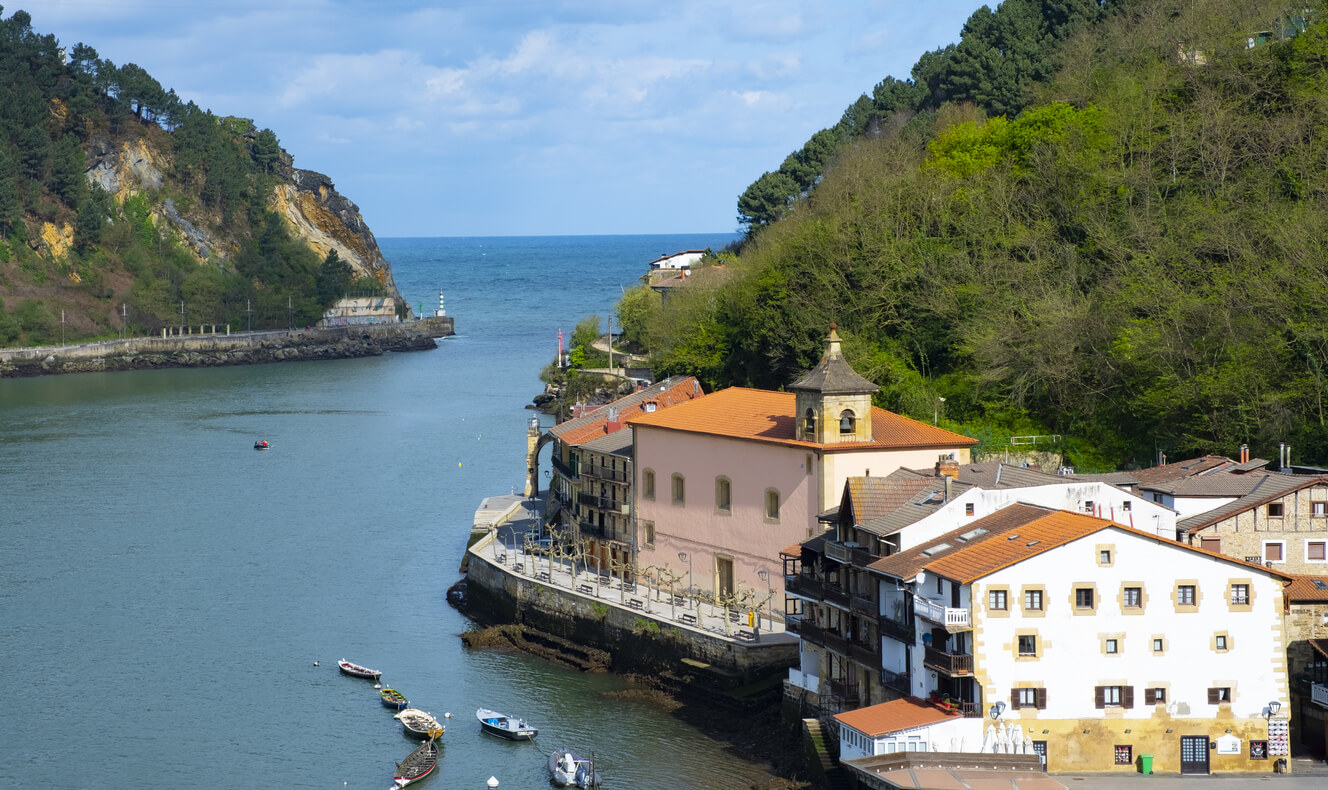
(522, 117)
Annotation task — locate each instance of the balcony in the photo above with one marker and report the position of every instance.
(823, 637)
(606, 473)
(861, 604)
(569, 472)
(896, 630)
(590, 529)
(845, 690)
(954, 620)
(952, 664)
(601, 503)
(848, 553)
(834, 594)
(804, 586)
(1319, 694)
(899, 681)
(866, 654)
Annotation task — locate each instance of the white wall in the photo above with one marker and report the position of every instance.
(957, 734)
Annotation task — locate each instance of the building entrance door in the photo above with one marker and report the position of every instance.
(1194, 754)
(1040, 749)
(723, 576)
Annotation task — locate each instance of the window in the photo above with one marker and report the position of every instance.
(1274, 510)
(1125, 506)
(1314, 550)
(1027, 645)
(771, 505)
(940, 585)
(1240, 594)
(1113, 696)
(1211, 544)
(1083, 598)
(723, 495)
(1272, 551)
(1133, 597)
(1104, 557)
(809, 423)
(847, 422)
(1088, 506)
(648, 484)
(1028, 698)
(1185, 595)
(1033, 600)
(1112, 647)
(679, 490)
(1319, 509)
(1220, 643)
(968, 508)
(1124, 755)
(648, 533)
(1155, 696)
(996, 599)
(1159, 644)
(1218, 695)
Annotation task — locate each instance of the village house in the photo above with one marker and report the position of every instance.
(1307, 661)
(1096, 642)
(832, 599)
(1282, 522)
(590, 497)
(724, 482)
(678, 260)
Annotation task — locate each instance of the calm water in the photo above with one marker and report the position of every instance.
(165, 590)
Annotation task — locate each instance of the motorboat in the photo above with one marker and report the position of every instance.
(261, 444)
(567, 769)
(504, 726)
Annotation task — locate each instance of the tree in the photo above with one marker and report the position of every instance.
(334, 278)
(637, 310)
(11, 201)
(766, 200)
(67, 171)
(92, 217)
(266, 150)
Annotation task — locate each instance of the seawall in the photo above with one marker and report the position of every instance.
(215, 349)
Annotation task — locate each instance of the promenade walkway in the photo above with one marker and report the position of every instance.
(506, 546)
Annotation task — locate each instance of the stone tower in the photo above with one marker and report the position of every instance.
(532, 457)
(833, 401)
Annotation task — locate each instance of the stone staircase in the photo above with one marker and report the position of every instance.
(823, 767)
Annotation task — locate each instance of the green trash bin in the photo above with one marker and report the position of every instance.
(1145, 763)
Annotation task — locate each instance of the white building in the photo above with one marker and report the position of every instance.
(1099, 642)
(678, 260)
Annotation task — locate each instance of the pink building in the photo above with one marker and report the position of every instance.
(724, 482)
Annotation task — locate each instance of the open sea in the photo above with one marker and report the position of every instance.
(173, 603)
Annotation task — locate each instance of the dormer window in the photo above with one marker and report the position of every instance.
(650, 407)
(809, 423)
(847, 422)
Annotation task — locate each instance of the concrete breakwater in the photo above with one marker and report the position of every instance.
(214, 349)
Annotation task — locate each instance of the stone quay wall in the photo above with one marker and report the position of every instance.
(638, 642)
(219, 348)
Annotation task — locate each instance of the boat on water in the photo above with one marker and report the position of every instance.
(393, 699)
(260, 445)
(504, 726)
(355, 670)
(567, 769)
(417, 765)
(419, 724)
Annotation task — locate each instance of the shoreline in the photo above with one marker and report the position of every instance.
(224, 349)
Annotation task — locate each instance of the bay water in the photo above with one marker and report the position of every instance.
(173, 603)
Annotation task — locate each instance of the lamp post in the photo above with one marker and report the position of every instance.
(936, 415)
(687, 558)
(1273, 708)
(764, 575)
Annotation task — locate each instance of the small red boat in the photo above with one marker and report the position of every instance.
(260, 445)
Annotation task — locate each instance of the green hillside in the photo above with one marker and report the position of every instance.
(200, 236)
(1123, 245)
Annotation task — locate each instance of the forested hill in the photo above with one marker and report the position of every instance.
(123, 208)
(1135, 259)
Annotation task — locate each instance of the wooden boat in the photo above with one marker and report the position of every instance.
(496, 723)
(417, 765)
(569, 770)
(355, 670)
(393, 699)
(419, 724)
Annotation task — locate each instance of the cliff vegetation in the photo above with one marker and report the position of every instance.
(125, 209)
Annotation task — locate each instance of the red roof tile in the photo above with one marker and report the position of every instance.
(768, 416)
(894, 716)
(678, 389)
(1304, 589)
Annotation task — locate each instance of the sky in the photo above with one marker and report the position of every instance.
(522, 117)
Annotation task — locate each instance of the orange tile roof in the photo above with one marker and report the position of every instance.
(768, 416)
(1003, 549)
(894, 716)
(580, 430)
(1304, 590)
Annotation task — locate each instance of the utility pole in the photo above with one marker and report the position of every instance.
(249, 309)
(124, 319)
(290, 313)
(62, 327)
(182, 316)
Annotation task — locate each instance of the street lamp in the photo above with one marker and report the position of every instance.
(687, 558)
(1273, 708)
(764, 575)
(997, 710)
(936, 415)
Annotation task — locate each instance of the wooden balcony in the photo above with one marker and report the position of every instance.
(897, 630)
(823, 637)
(849, 553)
(845, 690)
(862, 604)
(899, 681)
(952, 664)
(803, 586)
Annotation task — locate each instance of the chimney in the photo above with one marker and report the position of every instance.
(1244, 453)
(947, 466)
(948, 482)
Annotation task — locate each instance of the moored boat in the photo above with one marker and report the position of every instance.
(417, 765)
(355, 670)
(419, 724)
(504, 726)
(261, 444)
(393, 699)
(567, 769)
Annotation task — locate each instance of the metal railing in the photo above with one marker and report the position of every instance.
(599, 502)
(899, 681)
(565, 470)
(1319, 694)
(606, 473)
(804, 586)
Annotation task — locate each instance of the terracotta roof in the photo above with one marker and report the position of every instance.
(894, 716)
(919, 506)
(670, 392)
(793, 551)
(907, 563)
(833, 375)
(768, 416)
(873, 497)
(1307, 589)
(1266, 489)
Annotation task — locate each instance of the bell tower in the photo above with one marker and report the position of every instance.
(833, 401)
